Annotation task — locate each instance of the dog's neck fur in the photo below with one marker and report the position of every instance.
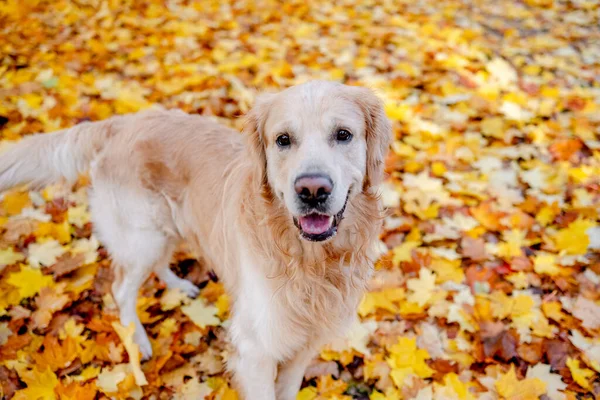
(313, 275)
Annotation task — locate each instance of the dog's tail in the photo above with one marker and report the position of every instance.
(45, 158)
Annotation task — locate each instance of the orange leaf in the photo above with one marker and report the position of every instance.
(76, 391)
(57, 355)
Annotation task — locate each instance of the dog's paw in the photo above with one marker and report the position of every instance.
(188, 288)
(144, 344)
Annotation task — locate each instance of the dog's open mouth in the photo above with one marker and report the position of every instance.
(317, 227)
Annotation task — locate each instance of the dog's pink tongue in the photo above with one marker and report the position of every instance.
(315, 224)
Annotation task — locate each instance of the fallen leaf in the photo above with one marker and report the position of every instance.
(510, 388)
(40, 385)
(126, 336)
(201, 314)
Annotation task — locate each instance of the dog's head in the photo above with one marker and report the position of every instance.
(318, 145)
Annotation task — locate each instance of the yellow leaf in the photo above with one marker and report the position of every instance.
(514, 240)
(456, 387)
(78, 216)
(201, 314)
(110, 377)
(580, 375)
(553, 310)
(126, 335)
(40, 385)
(421, 288)
(14, 202)
(510, 388)
(574, 239)
(9, 257)
(403, 252)
(60, 232)
(308, 393)
(405, 360)
(385, 299)
(493, 127)
(448, 270)
(29, 281)
(222, 305)
(546, 264)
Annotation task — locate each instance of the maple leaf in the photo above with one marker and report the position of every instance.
(404, 252)
(589, 347)
(76, 391)
(44, 253)
(546, 264)
(173, 298)
(109, 378)
(574, 239)
(66, 264)
(50, 300)
(56, 355)
(201, 314)
(29, 281)
(588, 312)
(579, 374)
(192, 389)
(78, 216)
(509, 387)
(40, 385)
(60, 232)
(357, 337)
(421, 288)
(14, 202)
(554, 382)
(386, 299)
(126, 336)
(9, 257)
(473, 248)
(87, 247)
(406, 359)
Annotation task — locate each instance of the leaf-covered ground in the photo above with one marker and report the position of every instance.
(489, 281)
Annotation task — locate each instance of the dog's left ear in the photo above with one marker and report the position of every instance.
(378, 134)
(254, 132)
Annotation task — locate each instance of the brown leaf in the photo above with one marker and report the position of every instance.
(531, 352)
(490, 329)
(503, 346)
(17, 228)
(9, 382)
(557, 352)
(473, 248)
(8, 351)
(48, 302)
(66, 264)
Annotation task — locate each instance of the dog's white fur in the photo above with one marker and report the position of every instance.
(163, 176)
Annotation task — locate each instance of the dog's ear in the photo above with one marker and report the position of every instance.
(378, 134)
(254, 131)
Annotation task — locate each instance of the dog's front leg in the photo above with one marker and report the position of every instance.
(253, 369)
(291, 373)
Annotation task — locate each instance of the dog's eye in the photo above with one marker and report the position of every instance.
(283, 140)
(343, 135)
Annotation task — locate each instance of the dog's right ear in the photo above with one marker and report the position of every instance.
(254, 131)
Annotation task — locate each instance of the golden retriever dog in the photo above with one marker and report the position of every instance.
(286, 214)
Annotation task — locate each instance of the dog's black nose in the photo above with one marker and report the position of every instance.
(313, 188)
